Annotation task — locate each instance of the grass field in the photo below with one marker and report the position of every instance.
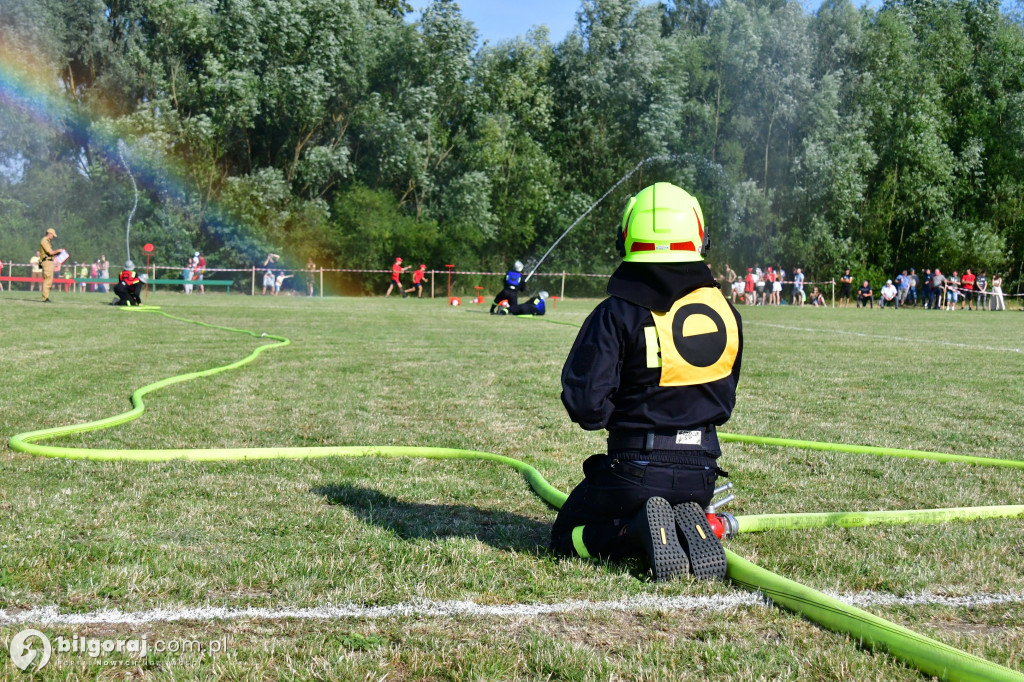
(454, 552)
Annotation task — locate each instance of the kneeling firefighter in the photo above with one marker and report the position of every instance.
(510, 292)
(535, 306)
(128, 287)
(656, 364)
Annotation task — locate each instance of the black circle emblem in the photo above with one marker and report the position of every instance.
(702, 349)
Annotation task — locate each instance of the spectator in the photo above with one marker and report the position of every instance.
(417, 281)
(952, 290)
(845, 288)
(865, 296)
(737, 291)
(199, 270)
(730, 275)
(902, 288)
(758, 287)
(104, 274)
(94, 272)
(396, 275)
(279, 280)
(310, 276)
(1, 281)
(967, 287)
(912, 291)
(981, 290)
(268, 282)
(889, 296)
(997, 293)
(776, 297)
(798, 287)
(938, 290)
(749, 286)
(186, 274)
(817, 299)
(81, 272)
(36, 270)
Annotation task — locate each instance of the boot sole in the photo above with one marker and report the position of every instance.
(666, 555)
(707, 558)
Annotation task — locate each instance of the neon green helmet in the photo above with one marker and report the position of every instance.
(662, 224)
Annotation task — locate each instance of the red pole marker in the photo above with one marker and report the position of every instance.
(449, 266)
(148, 248)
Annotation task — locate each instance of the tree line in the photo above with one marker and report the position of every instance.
(876, 139)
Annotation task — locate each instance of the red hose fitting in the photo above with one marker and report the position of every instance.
(716, 525)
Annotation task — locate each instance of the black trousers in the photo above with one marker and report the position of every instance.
(614, 490)
(507, 294)
(129, 292)
(524, 309)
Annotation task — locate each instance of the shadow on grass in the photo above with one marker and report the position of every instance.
(416, 520)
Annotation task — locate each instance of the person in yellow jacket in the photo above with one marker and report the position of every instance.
(46, 255)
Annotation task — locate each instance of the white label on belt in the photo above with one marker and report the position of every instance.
(688, 437)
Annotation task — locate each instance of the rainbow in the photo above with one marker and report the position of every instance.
(31, 89)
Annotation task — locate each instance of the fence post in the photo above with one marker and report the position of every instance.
(562, 297)
(321, 281)
(252, 291)
(432, 273)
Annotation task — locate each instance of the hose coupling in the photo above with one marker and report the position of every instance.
(729, 523)
(722, 488)
(715, 506)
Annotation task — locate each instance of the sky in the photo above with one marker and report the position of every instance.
(498, 20)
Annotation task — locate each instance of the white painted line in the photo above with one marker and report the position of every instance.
(50, 616)
(954, 344)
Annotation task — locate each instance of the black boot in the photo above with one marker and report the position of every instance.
(704, 551)
(654, 529)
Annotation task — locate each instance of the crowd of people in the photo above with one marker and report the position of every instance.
(765, 287)
(932, 291)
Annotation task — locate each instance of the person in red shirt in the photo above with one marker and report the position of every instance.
(128, 287)
(967, 285)
(396, 273)
(748, 286)
(417, 281)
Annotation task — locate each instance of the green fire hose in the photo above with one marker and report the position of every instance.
(928, 655)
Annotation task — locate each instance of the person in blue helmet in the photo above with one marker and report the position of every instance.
(656, 364)
(535, 306)
(510, 291)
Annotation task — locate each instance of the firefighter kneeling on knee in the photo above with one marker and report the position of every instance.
(128, 287)
(656, 364)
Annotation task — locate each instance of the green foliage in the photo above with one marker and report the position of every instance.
(893, 137)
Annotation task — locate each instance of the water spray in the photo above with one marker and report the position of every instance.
(627, 176)
(121, 147)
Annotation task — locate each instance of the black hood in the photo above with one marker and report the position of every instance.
(656, 286)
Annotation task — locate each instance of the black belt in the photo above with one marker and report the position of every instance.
(701, 439)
